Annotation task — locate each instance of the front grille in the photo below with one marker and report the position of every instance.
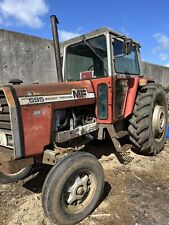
(6, 139)
(5, 122)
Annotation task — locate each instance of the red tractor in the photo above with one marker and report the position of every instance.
(100, 92)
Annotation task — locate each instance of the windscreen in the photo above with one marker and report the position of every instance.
(87, 55)
(125, 64)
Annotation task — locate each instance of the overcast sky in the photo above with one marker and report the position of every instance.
(146, 21)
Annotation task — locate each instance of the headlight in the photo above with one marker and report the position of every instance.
(9, 140)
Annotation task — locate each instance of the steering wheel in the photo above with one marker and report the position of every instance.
(93, 69)
(90, 67)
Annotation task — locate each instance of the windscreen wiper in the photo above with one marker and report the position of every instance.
(91, 47)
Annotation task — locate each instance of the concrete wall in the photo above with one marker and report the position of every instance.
(31, 59)
(159, 73)
(28, 58)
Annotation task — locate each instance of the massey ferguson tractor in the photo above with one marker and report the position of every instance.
(101, 92)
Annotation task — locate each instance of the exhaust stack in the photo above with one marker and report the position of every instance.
(54, 22)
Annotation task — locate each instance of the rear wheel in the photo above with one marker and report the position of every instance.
(149, 120)
(9, 178)
(73, 188)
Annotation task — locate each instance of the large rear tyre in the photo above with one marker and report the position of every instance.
(72, 188)
(10, 178)
(149, 120)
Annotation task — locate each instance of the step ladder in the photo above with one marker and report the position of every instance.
(121, 150)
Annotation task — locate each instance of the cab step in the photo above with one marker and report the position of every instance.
(121, 150)
(126, 147)
(122, 133)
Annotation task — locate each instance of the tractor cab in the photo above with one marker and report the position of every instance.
(99, 54)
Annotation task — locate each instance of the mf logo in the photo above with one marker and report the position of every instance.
(79, 93)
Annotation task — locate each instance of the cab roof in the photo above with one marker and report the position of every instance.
(95, 33)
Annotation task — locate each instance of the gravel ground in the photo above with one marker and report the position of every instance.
(134, 194)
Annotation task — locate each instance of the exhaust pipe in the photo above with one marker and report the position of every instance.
(54, 22)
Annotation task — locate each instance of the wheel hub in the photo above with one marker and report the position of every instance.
(158, 121)
(78, 190)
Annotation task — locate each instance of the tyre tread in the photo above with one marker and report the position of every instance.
(139, 123)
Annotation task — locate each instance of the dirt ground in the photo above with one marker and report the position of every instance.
(134, 194)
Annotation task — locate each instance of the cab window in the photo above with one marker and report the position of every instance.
(125, 64)
(88, 55)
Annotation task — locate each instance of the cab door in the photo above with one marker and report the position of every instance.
(125, 71)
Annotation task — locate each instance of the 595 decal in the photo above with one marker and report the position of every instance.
(36, 99)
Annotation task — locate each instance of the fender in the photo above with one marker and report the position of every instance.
(134, 83)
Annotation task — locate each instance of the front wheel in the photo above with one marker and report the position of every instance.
(149, 120)
(73, 188)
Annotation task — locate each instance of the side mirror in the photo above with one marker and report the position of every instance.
(127, 46)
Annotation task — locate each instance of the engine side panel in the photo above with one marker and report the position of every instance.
(37, 127)
(38, 104)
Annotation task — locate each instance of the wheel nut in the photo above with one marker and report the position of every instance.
(80, 190)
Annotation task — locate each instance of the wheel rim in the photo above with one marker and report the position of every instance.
(158, 122)
(79, 191)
